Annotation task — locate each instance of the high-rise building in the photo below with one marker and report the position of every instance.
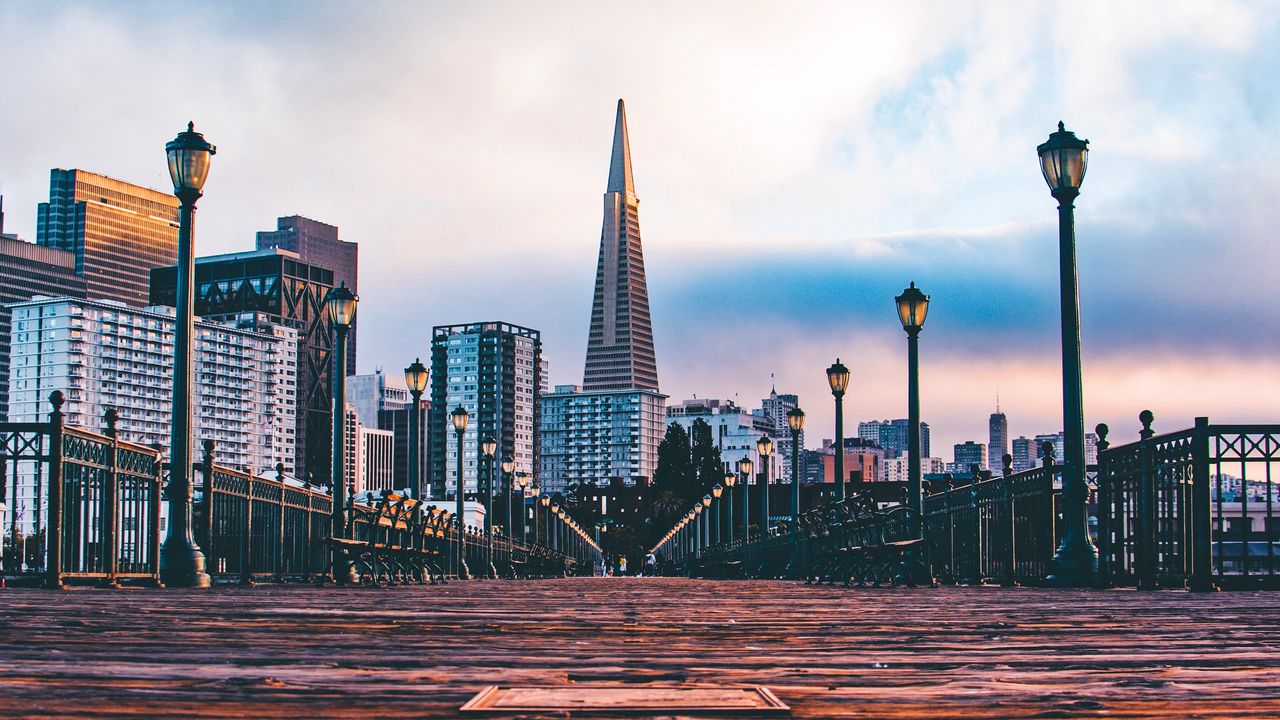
(599, 437)
(892, 435)
(317, 244)
(117, 231)
(1024, 454)
(28, 270)
(620, 354)
(383, 401)
(735, 432)
(775, 407)
(998, 429)
(970, 453)
(265, 288)
(493, 369)
(104, 355)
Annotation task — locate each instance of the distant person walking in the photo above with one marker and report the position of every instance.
(650, 564)
(622, 565)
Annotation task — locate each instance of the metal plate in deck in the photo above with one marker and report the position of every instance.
(623, 699)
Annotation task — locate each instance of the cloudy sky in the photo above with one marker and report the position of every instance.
(797, 165)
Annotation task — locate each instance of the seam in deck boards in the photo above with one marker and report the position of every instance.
(422, 651)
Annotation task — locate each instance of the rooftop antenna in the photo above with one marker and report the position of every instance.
(773, 386)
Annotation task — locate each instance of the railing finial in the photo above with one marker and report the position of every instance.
(1101, 431)
(110, 417)
(280, 472)
(1146, 417)
(56, 399)
(1007, 462)
(1048, 453)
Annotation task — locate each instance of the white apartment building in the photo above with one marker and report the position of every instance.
(104, 355)
(894, 469)
(736, 432)
(594, 437)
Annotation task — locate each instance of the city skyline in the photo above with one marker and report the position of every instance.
(821, 198)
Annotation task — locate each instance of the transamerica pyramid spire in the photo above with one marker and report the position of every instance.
(620, 353)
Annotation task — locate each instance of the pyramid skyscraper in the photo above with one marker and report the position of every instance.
(620, 353)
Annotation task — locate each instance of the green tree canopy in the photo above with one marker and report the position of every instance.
(705, 457)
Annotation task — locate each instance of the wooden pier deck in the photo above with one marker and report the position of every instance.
(421, 652)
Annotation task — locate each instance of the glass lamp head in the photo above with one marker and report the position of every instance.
(488, 446)
(340, 303)
(764, 446)
(1063, 160)
(730, 480)
(838, 378)
(415, 376)
(189, 155)
(459, 417)
(508, 466)
(795, 419)
(717, 490)
(745, 466)
(913, 306)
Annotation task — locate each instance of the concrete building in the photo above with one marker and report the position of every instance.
(775, 407)
(620, 352)
(26, 271)
(967, 454)
(377, 460)
(266, 288)
(896, 469)
(494, 370)
(609, 428)
(316, 243)
(998, 435)
(1024, 454)
(597, 437)
(735, 432)
(892, 435)
(117, 231)
(105, 355)
(382, 401)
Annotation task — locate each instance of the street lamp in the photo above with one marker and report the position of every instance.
(913, 306)
(745, 466)
(509, 479)
(716, 491)
(488, 446)
(545, 500)
(795, 420)
(459, 417)
(838, 379)
(730, 479)
(340, 304)
(182, 564)
(415, 376)
(706, 522)
(1063, 160)
(764, 446)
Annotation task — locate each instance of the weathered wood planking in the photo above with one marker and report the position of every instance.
(302, 652)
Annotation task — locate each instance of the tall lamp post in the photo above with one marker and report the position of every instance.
(523, 481)
(182, 564)
(764, 446)
(706, 521)
(913, 305)
(415, 376)
(340, 304)
(745, 466)
(509, 480)
(1063, 160)
(487, 448)
(459, 417)
(838, 379)
(717, 512)
(544, 501)
(729, 481)
(795, 420)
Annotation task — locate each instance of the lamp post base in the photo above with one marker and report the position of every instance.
(183, 565)
(463, 572)
(1075, 564)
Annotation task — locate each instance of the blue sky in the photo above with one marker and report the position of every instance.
(797, 165)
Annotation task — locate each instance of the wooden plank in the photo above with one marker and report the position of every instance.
(625, 699)
(423, 651)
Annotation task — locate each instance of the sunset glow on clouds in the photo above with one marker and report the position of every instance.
(797, 165)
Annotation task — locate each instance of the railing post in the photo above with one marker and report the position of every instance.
(206, 489)
(978, 553)
(948, 482)
(158, 493)
(1145, 545)
(111, 500)
(1010, 554)
(53, 531)
(280, 529)
(1201, 500)
(246, 573)
(1106, 519)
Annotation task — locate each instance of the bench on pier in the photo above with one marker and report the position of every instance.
(395, 540)
(857, 542)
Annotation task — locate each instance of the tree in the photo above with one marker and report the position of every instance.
(707, 464)
(674, 473)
